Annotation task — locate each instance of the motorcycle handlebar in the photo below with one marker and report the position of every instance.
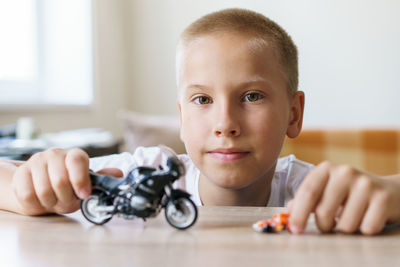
(174, 164)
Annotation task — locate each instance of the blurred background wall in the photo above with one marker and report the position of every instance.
(348, 50)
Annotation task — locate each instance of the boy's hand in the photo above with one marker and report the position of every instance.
(345, 198)
(50, 181)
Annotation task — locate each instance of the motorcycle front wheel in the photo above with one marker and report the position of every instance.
(89, 208)
(181, 213)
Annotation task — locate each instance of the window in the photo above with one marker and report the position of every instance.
(46, 52)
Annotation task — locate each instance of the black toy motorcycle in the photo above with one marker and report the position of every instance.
(142, 194)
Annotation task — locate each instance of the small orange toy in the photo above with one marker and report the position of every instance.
(277, 223)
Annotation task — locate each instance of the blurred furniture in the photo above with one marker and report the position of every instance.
(373, 150)
(96, 142)
(150, 130)
(92, 151)
(222, 236)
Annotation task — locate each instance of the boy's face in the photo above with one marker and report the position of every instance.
(234, 108)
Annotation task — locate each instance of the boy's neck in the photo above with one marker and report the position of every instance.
(256, 194)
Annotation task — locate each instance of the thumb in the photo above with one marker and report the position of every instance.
(290, 205)
(111, 171)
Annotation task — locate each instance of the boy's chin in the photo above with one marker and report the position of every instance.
(232, 183)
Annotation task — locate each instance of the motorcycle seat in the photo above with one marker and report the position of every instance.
(105, 181)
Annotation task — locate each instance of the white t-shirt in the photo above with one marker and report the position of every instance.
(289, 171)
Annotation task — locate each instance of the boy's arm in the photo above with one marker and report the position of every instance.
(346, 198)
(7, 197)
(394, 178)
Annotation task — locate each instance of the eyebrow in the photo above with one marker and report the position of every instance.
(194, 87)
(255, 80)
(252, 80)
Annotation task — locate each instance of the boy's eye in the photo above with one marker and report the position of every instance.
(252, 97)
(202, 100)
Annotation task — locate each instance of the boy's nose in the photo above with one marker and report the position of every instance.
(229, 133)
(226, 124)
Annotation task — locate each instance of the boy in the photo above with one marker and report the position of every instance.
(237, 78)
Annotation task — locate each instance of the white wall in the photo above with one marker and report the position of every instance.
(349, 58)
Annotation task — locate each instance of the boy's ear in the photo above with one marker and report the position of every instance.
(296, 115)
(180, 119)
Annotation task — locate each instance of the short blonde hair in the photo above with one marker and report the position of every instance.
(253, 23)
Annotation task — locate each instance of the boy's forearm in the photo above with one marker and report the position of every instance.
(394, 178)
(7, 197)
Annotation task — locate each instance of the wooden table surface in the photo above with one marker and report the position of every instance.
(222, 236)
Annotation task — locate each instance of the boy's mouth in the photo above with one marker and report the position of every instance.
(228, 154)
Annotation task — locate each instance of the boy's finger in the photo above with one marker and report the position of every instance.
(77, 163)
(289, 206)
(334, 194)
(111, 171)
(60, 180)
(375, 217)
(69, 207)
(307, 197)
(25, 192)
(41, 183)
(354, 210)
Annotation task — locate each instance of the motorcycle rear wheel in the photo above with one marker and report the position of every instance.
(88, 208)
(181, 213)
